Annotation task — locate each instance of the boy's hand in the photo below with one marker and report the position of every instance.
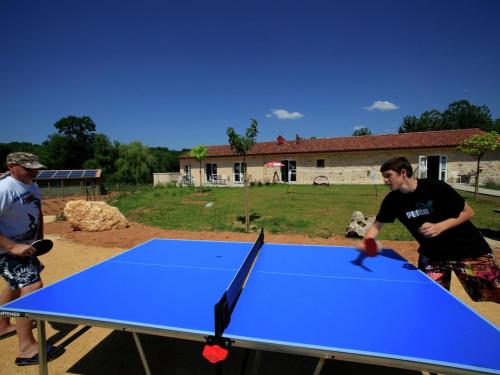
(369, 246)
(430, 230)
(360, 245)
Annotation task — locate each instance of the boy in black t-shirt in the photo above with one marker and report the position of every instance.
(439, 219)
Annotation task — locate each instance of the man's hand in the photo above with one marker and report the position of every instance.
(22, 250)
(431, 230)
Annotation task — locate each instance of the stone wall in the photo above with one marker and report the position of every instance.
(162, 179)
(352, 167)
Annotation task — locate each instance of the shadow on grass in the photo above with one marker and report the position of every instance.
(242, 219)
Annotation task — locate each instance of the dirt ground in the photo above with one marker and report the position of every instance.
(102, 351)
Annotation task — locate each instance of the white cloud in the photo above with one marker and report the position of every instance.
(359, 127)
(382, 106)
(282, 114)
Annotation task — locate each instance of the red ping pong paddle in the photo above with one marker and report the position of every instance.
(372, 246)
(42, 246)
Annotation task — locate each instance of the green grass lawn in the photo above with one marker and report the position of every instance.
(315, 211)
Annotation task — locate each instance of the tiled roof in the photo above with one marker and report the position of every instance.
(431, 139)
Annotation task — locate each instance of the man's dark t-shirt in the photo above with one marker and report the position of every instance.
(432, 202)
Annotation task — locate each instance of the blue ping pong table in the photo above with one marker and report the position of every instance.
(308, 300)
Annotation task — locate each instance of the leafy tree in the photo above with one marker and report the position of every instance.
(199, 152)
(477, 146)
(431, 120)
(105, 154)
(79, 128)
(463, 115)
(59, 151)
(4, 151)
(135, 164)
(241, 145)
(73, 144)
(459, 115)
(361, 131)
(410, 125)
(168, 160)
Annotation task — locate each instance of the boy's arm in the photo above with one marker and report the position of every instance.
(430, 230)
(372, 232)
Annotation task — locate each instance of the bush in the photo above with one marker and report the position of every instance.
(490, 184)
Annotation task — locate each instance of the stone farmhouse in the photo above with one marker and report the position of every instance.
(343, 160)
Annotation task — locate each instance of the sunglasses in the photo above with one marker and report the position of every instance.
(27, 169)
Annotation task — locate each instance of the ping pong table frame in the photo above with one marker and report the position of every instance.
(322, 355)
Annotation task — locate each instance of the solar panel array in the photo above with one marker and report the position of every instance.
(67, 174)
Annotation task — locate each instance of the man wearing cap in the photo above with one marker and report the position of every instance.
(21, 223)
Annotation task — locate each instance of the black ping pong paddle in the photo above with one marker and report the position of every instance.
(42, 246)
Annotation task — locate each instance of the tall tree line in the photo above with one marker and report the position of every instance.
(76, 145)
(459, 115)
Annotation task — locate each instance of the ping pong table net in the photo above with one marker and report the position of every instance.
(217, 347)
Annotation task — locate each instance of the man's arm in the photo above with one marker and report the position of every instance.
(430, 230)
(18, 249)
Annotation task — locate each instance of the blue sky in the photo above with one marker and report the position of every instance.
(179, 73)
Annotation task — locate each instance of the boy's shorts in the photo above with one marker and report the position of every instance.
(20, 271)
(480, 276)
